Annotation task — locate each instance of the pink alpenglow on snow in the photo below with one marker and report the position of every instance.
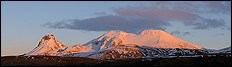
(149, 38)
(48, 45)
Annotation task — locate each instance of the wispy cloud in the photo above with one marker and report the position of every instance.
(186, 33)
(177, 32)
(155, 15)
(100, 13)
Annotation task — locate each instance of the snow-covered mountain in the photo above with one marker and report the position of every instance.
(149, 38)
(119, 44)
(48, 45)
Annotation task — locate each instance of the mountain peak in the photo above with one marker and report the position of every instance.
(48, 36)
(144, 32)
(48, 45)
(115, 33)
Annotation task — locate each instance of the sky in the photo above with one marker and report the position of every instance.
(24, 23)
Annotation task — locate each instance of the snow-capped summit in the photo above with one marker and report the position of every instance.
(149, 38)
(115, 33)
(48, 45)
(46, 38)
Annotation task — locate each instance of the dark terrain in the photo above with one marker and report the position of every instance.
(219, 60)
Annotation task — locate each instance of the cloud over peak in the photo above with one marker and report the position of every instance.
(110, 22)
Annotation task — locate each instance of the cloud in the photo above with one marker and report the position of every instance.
(218, 6)
(106, 23)
(177, 32)
(196, 6)
(229, 28)
(154, 15)
(206, 23)
(186, 33)
(188, 18)
(100, 13)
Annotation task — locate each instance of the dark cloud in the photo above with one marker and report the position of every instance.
(156, 15)
(106, 23)
(168, 14)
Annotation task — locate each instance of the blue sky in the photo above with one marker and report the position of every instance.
(23, 24)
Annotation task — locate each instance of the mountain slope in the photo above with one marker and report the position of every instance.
(134, 51)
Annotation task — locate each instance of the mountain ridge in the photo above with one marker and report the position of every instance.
(119, 44)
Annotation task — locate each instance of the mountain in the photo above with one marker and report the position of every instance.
(48, 46)
(225, 50)
(120, 44)
(149, 38)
